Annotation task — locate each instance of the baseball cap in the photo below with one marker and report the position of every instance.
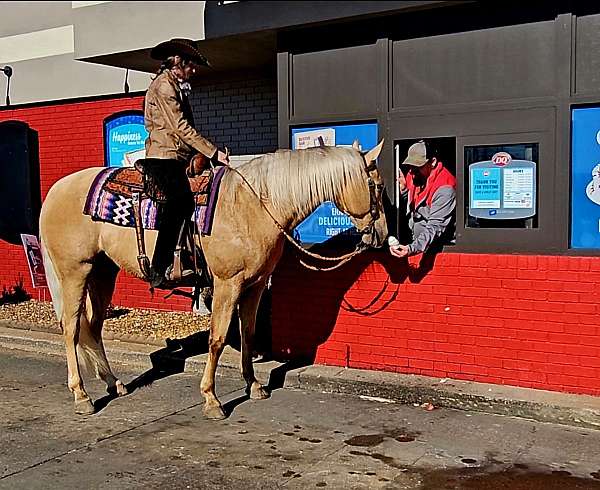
(417, 154)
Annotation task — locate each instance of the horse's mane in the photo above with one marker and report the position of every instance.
(304, 178)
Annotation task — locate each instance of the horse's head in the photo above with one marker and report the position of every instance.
(362, 200)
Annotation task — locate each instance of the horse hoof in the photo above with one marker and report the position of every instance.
(260, 393)
(214, 413)
(84, 407)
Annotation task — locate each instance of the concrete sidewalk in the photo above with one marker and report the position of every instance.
(544, 406)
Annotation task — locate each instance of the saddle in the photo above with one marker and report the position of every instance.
(129, 197)
(128, 182)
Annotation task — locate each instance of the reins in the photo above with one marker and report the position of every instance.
(342, 259)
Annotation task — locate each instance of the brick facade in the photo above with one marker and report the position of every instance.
(241, 115)
(520, 320)
(70, 139)
(528, 321)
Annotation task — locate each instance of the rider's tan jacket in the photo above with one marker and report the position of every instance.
(169, 122)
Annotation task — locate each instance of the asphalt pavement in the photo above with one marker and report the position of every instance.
(156, 437)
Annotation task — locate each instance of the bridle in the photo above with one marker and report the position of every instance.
(375, 192)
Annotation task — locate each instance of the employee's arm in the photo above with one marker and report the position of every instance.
(441, 213)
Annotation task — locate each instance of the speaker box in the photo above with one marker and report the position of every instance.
(20, 197)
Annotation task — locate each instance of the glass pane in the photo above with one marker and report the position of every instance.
(501, 186)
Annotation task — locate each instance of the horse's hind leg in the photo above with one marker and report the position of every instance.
(101, 285)
(73, 295)
(225, 298)
(248, 308)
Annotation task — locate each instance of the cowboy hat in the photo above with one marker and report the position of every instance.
(178, 46)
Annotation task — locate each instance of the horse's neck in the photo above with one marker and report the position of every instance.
(292, 195)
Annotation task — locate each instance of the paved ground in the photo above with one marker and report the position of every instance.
(156, 438)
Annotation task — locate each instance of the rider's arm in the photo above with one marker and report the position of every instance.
(171, 108)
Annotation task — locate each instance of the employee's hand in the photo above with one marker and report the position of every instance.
(399, 251)
(401, 180)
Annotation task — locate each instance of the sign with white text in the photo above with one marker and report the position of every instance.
(124, 139)
(502, 188)
(327, 220)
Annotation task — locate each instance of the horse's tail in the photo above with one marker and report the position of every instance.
(52, 281)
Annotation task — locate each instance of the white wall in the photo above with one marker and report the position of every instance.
(42, 42)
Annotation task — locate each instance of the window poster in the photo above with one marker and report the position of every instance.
(327, 220)
(585, 177)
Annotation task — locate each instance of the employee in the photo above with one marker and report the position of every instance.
(429, 197)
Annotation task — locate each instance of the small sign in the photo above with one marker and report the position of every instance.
(124, 138)
(35, 261)
(501, 158)
(502, 188)
(485, 188)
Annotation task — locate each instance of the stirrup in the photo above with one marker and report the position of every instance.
(170, 274)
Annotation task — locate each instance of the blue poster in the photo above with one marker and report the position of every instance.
(485, 188)
(585, 178)
(327, 220)
(124, 138)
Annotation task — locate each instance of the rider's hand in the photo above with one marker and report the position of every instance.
(401, 180)
(222, 157)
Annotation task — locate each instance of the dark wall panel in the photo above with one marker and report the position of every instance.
(338, 81)
(492, 64)
(587, 55)
(20, 198)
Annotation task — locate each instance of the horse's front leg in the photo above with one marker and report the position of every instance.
(248, 309)
(224, 301)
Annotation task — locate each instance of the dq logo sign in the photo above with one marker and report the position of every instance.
(501, 159)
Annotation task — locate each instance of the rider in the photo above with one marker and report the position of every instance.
(172, 141)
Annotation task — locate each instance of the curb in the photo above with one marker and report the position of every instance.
(543, 406)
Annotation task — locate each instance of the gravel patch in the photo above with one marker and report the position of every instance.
(121, 321)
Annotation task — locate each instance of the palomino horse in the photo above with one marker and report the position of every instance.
(82, 257)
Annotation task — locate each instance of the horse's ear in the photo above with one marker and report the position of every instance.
(356, 145)
(373, 153)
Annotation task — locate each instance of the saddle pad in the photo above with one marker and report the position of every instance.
(109, 199)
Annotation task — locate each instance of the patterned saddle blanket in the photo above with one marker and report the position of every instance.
(110, 198)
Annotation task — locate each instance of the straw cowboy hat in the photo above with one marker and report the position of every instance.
(178, 46)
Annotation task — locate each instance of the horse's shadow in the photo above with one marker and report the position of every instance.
(166, 362)
(315, 319)
(170, 360)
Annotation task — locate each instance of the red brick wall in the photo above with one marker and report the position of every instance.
(528, 321)
(70, 139)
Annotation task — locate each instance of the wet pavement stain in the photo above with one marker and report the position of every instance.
(365, 441)
(595, 475)
(270, 441)
(492, 478)
(321, 484)
(469, 460)
(288, 434)
(401, 434)
(380, 457)
(561, 473)
(297, 427)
